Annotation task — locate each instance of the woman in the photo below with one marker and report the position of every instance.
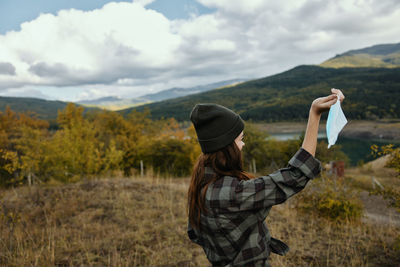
(227, 206)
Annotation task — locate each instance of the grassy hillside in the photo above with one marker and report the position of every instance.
(371, 93)
(378, 56)
(142, 222)
(44, 109)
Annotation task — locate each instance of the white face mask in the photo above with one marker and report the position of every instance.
(335, 123)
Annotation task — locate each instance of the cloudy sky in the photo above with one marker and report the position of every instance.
(85, 49)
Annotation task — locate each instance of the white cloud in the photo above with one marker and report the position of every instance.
(24, 92)
(77, 47)
(127, 49)
(287, 33)
(7, 68)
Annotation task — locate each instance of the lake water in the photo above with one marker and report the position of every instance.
(355, 149)
(287, 136)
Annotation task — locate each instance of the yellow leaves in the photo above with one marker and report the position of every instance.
(18, 137)
(98, 143)
(331, 198)
(10, 160)
(76, 150)
(26, 120)
(383, 150)
(394, 161)
(71, 115)
(113, 157)
(170, 128)
(375, 149)
(169, 156)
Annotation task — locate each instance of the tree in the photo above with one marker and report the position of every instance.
(76, 149)
(31, 147)
(170, 156)
(19, 147)
(256, 147)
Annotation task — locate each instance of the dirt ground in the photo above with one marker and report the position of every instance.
(377, 210)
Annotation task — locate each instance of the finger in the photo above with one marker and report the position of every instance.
(329, 103)
(341, 96)
(328, 98)
(339, 93)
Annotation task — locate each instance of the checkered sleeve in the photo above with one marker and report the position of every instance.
(193, 235)
(306, 163)
(277, 187)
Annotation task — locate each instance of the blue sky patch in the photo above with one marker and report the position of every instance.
(15, 12)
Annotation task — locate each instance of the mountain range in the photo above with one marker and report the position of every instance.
(372, 89)
(117, 103)
(380, 56)
(369, 77)
(371, 93)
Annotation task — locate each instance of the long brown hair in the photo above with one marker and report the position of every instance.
(226, 161)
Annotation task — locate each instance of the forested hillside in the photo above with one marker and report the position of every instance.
(371, 93)
(43, 109)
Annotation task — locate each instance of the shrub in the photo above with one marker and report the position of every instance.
(331, 199)
(170, 157)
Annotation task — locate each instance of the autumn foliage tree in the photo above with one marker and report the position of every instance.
(90, 145)
(76, 149)
(19, 137)
(105, 143)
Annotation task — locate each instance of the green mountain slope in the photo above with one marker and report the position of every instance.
(382, 56)
(44, 109)
(370, 93)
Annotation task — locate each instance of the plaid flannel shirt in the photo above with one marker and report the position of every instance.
(233, 232)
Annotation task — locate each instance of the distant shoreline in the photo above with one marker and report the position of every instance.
(381, 130)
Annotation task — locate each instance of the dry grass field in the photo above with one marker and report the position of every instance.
(142, 222)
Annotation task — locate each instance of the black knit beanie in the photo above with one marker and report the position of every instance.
(216, 126)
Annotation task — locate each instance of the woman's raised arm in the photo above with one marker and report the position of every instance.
(318, 106)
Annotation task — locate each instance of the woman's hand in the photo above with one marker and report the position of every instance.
(323, 104)
(339, 93)
(318, 106)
